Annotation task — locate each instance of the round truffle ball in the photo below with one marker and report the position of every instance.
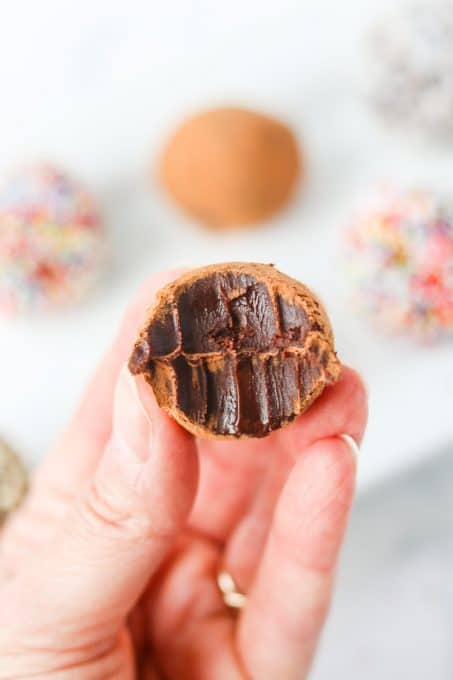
(401, 258)
(51, 240)
(412, 60)
(236, 350)
(230, 167)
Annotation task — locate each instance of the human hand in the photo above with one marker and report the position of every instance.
(109, 569)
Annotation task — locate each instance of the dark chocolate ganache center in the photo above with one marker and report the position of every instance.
(235, 353)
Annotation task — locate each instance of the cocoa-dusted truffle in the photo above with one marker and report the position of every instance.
(230, 167)
(236, 350)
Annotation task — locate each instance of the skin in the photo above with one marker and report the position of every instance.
(109, 568)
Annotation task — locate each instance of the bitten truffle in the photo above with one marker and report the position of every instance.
(231, 167)
(236, 350)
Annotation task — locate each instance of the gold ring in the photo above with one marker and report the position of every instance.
(231, 595)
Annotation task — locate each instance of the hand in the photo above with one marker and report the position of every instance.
(109, 568)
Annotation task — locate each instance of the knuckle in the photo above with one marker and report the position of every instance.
(114, 517)
(101, 511)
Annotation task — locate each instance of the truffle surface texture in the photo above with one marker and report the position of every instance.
(230, 167)
(236, 350)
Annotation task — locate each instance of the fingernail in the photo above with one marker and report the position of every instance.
(351, 442)
(131, 422)
(147, 399)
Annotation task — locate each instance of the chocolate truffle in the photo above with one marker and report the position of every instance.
(236, 350)
(230, 167)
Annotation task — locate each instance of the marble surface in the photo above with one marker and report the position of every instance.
(392, 617)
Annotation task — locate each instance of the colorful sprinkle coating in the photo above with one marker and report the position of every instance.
(400, 253)
(51, 241)
(411, 72)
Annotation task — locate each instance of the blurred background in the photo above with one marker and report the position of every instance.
(96, 87)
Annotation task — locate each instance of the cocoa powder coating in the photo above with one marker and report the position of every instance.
(230, 167)
(236, 350)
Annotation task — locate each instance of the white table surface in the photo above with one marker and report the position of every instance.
(95, 85)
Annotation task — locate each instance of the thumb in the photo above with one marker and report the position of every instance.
(126, 520)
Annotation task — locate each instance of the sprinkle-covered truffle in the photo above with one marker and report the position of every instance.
(400, 254)
(412, 66)
(51, 240)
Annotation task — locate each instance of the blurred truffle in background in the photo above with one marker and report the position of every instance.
(400, 256)
(411, 79)
(51, 240)
(231, 167)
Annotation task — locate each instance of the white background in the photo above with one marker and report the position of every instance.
(95, 86)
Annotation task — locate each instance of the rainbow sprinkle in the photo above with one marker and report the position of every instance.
(400, 254)
(51, 241)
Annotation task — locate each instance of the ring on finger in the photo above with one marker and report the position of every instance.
(232, 597)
